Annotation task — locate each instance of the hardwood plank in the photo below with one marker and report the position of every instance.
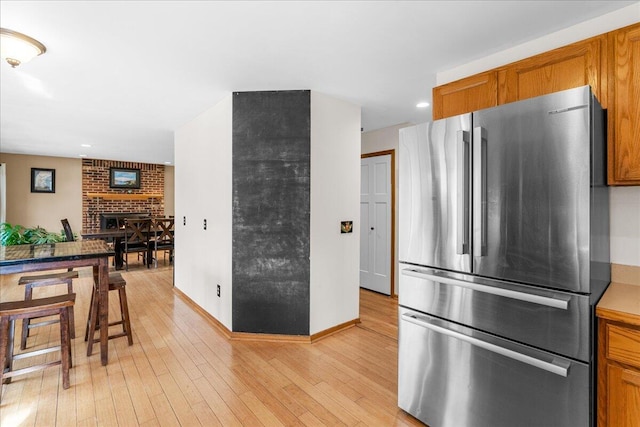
(317, 401)
(135, 386)
(123, 405)
(222, 412)
(266, 417)
(83, 388)
(106, 412)
(177, 400)
(205, 415)
(164, 413)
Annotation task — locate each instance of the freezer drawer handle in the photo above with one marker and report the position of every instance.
(558, 367)
(562, 304)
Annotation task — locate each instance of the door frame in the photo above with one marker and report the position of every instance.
(392, 270)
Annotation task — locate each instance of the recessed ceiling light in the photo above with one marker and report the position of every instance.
(167, 163)
(422, 104)
(85, 145)
(82, 155)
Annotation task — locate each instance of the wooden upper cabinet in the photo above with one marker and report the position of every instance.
(462, 96)
(609, 63)
(575, 65)
(624, 106)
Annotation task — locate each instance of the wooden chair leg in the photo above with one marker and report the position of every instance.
(88, 326)
(4, 343)
(124, 313)
(72, 321)
(28, 295)
(93, 321)
(65, 347)
(8, 347)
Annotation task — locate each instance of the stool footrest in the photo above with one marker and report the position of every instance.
(45, 323)
(36, 352)
(29, 369)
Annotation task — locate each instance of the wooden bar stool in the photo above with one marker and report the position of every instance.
(116, 283)
(31, 282)
(60, 306)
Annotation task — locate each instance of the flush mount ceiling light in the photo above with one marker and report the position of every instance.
(422, 104)
(18, 48)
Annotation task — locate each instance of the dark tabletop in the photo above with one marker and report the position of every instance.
(22, 254)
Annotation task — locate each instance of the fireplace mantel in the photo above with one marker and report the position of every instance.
(124, 196)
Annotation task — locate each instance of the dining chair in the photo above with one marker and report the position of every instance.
(136, 239)
(67, 231)
(11, 311)
(163, 238)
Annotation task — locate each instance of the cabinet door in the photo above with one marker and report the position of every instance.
(624, 109)
(624, 397)
(567, 67)
(466, 95)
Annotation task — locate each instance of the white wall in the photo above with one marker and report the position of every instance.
(335, 197)
(625, 225)
(43, 209)
(382, 140)
(624, 202)
(203, 187)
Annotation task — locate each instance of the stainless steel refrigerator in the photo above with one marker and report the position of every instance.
(503, 252)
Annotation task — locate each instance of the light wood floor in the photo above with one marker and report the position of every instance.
(182, 371)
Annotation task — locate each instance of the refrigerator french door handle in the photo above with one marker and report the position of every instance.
(462, 192)
(479, 191)
(562, 304)
(558, 367)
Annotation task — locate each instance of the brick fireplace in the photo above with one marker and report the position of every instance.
(99, 199)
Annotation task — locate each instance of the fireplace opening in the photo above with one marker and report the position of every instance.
(112, 220)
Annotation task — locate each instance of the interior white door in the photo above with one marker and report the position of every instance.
(375, 220)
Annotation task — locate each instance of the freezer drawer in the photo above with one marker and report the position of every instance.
(451, 376)
(556, 321)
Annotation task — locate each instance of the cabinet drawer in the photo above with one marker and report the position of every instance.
(623, 345)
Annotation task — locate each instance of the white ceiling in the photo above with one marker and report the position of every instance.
(121, 76)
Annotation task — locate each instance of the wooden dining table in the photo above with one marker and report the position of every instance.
(63, 255)
(114, 235)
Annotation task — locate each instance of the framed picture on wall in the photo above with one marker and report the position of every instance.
(43, 180)
(124, 178)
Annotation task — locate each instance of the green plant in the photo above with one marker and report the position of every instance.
(21, 235)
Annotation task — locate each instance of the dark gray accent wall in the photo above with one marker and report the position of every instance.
(271, 212)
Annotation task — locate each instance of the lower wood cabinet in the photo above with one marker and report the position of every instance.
(618, 374)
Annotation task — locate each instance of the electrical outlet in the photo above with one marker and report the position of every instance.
(218, 290)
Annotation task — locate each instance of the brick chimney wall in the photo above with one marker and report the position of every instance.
(95, 179)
